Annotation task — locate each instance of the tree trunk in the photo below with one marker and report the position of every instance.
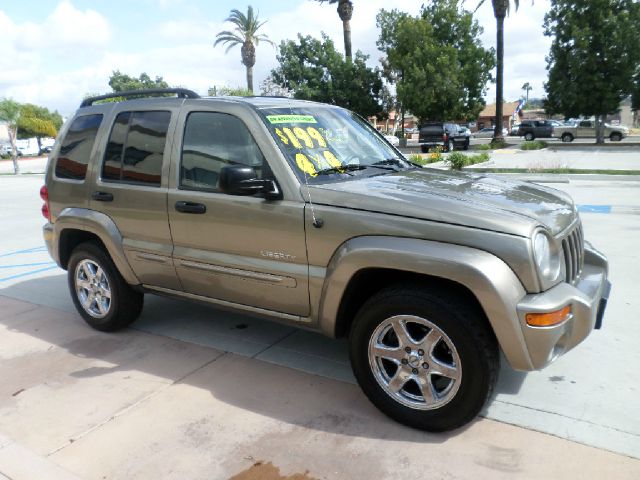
(497, 134)
(250, 79)
(599, 130)
(345, 10)
(13, 134)
(346, 28)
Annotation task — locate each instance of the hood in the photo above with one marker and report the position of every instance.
(474, 200)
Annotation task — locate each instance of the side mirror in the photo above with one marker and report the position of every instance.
(241, 180)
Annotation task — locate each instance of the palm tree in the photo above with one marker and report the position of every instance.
(345, 11)
(245, 34)
(527, 88)
(500, 10)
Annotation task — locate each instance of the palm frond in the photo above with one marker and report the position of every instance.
(246, 29)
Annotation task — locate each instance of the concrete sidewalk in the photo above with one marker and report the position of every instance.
(76, 403)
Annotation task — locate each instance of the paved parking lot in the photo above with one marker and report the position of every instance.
(193, 392)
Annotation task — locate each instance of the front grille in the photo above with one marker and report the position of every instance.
(573, 249)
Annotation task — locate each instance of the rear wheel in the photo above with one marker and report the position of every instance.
(427, 359)
(615, 137)
(99, 293)
(424, 149)
(529, 136)
(567, 138)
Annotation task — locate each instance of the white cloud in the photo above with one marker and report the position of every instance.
(84, 36)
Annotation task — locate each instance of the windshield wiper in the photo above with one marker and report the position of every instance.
(341, 169)
(393, 163)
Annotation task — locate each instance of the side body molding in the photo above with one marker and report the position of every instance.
(493, 283)
(97, 223)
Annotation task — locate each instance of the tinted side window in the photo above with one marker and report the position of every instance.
(112, 166)
(211, 142)
(76, 147)
(135, 151)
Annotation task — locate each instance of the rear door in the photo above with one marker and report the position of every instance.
(131, 188)
(241, 249)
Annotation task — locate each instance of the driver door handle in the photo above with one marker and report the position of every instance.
(190, 207)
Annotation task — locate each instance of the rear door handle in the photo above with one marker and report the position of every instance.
(102, 196)
(190, 207)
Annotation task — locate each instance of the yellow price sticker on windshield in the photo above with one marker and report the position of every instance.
(291, 119)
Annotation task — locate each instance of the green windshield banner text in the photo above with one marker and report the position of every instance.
(291, 119)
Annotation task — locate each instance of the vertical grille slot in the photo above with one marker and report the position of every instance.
(573, 249)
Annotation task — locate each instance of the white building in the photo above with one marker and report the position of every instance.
(4, 133)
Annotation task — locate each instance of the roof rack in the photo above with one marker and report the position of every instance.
(180, 92)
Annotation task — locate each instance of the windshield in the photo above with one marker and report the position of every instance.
(327, 143)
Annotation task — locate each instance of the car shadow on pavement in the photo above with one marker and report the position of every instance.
(234, 375)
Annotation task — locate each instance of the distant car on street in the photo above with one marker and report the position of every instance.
(587, 129)
(444, 134)
(392, 139)
(532, 129)
(488, 132)
(464, 130)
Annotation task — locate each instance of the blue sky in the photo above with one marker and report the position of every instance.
(53, 52)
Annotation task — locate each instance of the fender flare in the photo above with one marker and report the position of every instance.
(104, 228)
(496, 287)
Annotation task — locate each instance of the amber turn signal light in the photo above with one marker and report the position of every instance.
(548, 319)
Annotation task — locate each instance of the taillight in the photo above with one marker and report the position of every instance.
(445, 137)
(44, 195)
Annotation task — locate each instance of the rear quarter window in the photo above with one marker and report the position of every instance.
(76, 147)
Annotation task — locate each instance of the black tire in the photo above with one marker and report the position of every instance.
(125, 303)
(567, 138)
(424, 149)
(466, 145)
(463, 325)
(448, 146)
(615, 137)
(529, 136)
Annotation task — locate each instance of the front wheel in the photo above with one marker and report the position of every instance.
(615, 137)
(424, 357)
(100, 294)
(567, 138)
(529, 136)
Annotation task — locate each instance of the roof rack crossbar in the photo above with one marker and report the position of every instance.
(180, 92)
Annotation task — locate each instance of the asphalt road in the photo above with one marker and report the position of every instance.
(589, 396)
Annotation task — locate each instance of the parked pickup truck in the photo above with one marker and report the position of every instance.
(587, 129)
(302, 213)
(532, 129)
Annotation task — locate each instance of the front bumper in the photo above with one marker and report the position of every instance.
(587, 299)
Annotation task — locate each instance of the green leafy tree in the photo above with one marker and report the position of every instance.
(38, 122)
(120, 82)
(10, 113)
(594, 57)
(314, 70)
(500, 11)
(345, 12)
(436, 60)
(245, 34)
(229, 91)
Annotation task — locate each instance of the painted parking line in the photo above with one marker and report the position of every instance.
(24, 274)
(24, 262)
(41, 248)
(594, 208)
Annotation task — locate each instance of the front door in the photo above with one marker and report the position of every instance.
(240, 249)
(131, 189)
(586, 129)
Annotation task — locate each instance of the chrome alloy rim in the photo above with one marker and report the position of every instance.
(92, 288)
(415, 362)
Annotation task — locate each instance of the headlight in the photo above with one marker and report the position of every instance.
(547, 256)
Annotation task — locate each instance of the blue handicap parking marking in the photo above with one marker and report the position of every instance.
(594, 208)
(28, 261)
